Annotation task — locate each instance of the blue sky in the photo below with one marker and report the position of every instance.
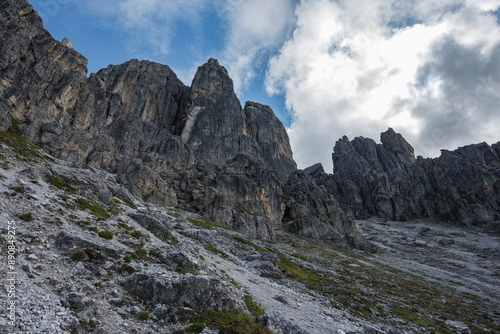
(429, 69)
(99, 38)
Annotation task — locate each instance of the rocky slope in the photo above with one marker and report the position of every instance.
(105, 234)
(192, 147)
(386, 180)
(91, 257)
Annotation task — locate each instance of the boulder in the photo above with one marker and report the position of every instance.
(182, 257)
(74, 240)
(198, 292)
(153, 225)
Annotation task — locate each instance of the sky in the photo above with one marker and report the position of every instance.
(430, 69)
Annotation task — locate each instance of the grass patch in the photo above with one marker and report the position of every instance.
(128, 268)
(61, 184)
(153, 252)
(123, 202)
(94, 209)
(121, 225)
(105, 235)
(380, 293)
(80, 255)
(204, 223)
(27, 217)
(133, 293)
(18, 189)
(143, 316)
(233, 322)
(244, 241)
(301, 274)
(141, 254)
(173, 240)
(412, 316)
(138, 235)
(216, 251)
(21, 146)
(255, 309)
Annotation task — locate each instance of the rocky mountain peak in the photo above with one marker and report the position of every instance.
(193, 147)
(387, 181)
(398, 146)
(211, 78)
(67, 43)
(156, 203)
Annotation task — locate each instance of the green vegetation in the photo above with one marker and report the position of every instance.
(138, 235)
(216, 251)
(233, 322)
(133, 293)
(94, 209)
(27, 217)
(117, 201)
(141, 254)
(176, 212)
(193, 328)
(25, 150)
(90, 252)
(153, 252)
(132, 232)
(18, 189)
(412, 316)
(80, 255)
(299, 273)
(173, 240)
(255, 309)
(184, 270)
(61, 184)
(105, 235)
(128, 268)
(375, 292)
(204, 223)
(121, 225)
(144, 315)
(244, 241)
(127, 259)
(31, 276)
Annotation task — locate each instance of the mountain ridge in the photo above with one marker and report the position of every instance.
(190, 147)
(157, 207)
(387, 181)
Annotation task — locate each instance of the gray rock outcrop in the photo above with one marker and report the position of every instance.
(314, 213)
(192, 147)
(387, 181)
(197, 292)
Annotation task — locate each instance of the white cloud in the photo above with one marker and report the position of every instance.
(353, 68)
(256, 27)
(253, 27)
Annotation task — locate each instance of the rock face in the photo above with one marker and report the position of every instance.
(387, 181)
(197, 292)
(312, 212)
(192, 147)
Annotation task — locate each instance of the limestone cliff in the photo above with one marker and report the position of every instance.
(190, 147)
(387, 181)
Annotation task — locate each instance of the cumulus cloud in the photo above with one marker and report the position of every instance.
(429, 69)
(257, 27)
(253, 29)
